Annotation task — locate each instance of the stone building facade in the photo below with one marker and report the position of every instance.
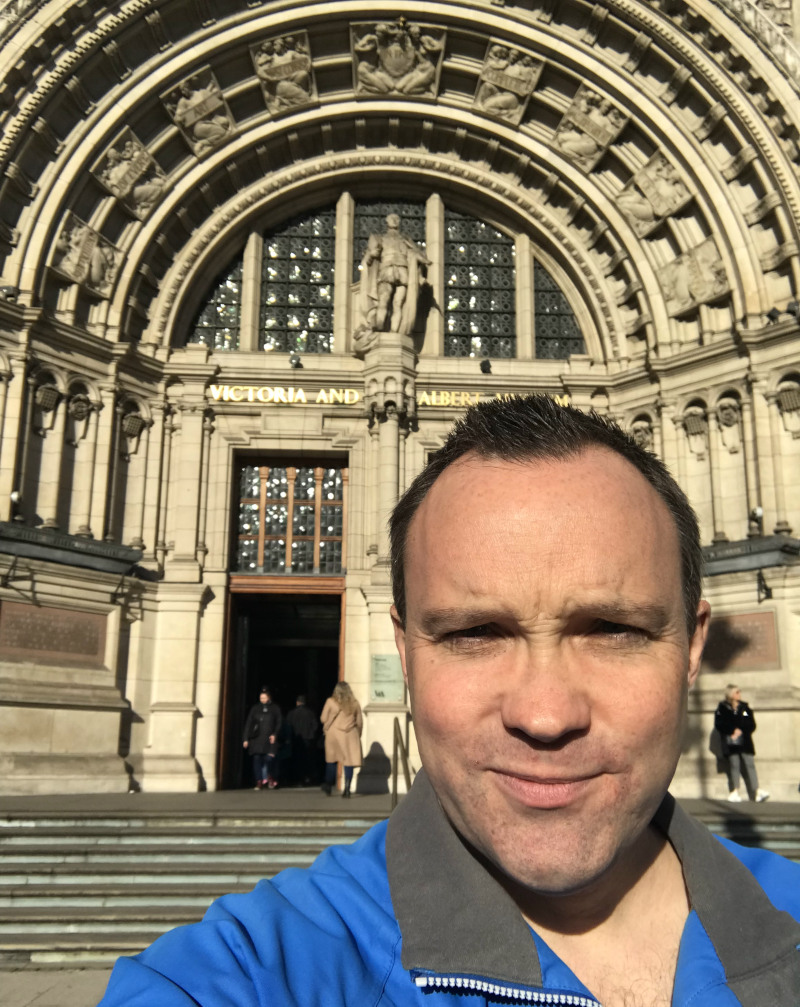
(254, 259)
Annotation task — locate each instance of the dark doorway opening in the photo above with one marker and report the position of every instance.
(289, 642)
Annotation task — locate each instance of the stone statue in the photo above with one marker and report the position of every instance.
(131, 174)
(589, 126)
(642, 432)
(696, 277)
(392, 271)
(198, 110)
(506, 83)
(728, 413)
(85, 257)
(283, 66)
(396, 58)
(653, 193)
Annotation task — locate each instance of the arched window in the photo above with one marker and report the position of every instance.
(555, 327)
(217, 324)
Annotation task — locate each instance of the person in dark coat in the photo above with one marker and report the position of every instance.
(261, 739)
(735, 722)
(304, 727)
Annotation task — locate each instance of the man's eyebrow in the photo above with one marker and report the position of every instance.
(655, 615)
(437, 620)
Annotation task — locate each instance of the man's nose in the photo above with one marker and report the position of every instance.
(547, 696)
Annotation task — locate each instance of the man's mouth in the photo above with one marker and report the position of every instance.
(544, 791)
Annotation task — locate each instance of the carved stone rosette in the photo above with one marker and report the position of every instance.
(507, 80)
(199, 110)
(83, 256)
(696, 277)
(588, 128)
(130, 173)
(652, 194)
(397, 58)
(283, 65)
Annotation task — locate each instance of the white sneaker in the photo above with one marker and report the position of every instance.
(761, 796)
(735, 797)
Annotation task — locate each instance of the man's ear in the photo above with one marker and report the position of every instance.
(698, 640)
(399, 639)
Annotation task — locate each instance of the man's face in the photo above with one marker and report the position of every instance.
(263, 697)
(547, 658)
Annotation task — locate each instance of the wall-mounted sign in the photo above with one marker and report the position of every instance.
(386, 683)
(284, 396)
(460, 400)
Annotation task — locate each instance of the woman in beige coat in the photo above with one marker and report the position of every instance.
(341, 724)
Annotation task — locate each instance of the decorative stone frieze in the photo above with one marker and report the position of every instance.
(507, 80)
(397, 58)
(588, 128)
(130, 173)
(83, 256)
(696, 277)
(199, 110)
(283, 65)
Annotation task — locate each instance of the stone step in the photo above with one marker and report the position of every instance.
(30, 920)
(102, 893)
(84, 950)
(39, 857)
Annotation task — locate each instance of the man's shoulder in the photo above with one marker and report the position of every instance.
(778, 877)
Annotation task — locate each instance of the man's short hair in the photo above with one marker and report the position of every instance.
(533, 427)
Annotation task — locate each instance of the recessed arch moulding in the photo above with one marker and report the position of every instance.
(652, 157)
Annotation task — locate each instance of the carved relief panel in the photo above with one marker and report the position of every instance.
(696, 277)
(507, 80)
(83, 256)
(588, 128)
(129, 172)
(283, 65)
(199, 110)
(653, 193)
(398, 58)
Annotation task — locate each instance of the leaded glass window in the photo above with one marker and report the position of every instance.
(291, 520)
(217, 323)
(297, 285)
(555, 326)
(479, 289)
(370, 218)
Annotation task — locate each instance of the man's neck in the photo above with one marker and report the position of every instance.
(621, 936)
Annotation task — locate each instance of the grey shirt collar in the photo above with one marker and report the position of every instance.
(451, 910)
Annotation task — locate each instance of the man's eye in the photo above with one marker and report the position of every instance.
(619, 630)
(472, 632)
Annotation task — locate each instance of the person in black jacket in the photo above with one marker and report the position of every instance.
(735, 722)
(261, 739)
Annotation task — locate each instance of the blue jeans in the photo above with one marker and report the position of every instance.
(262, 765)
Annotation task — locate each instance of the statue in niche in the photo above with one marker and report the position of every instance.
(396, 58)
(85, 257)
(656, 191)
(696, 277)
(642, 432)
(728, 414)
(283, 66)
(506, 82)
(589, 126)
(696, 426)
(392, 273)
(198, 110)
(131, 174)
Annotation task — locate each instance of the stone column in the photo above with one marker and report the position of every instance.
(388, 467)
(433, 345)
(716, 479)
(251, 293)
(749, 449)
(524, 297)
(50, 473)
(85, 459)
(182, 564)
(13, 438)
(762, 440)
(343, 275)
(104, 460)
(782, 526)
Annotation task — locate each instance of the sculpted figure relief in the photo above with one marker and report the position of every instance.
(589, 126)
(283, 66)
(642, 432)
(392, 271)
(728, 413)
(198, 109)
(506, 83)
(85, 257)
(653, 193)
(696, 277)
(131, 174)
(396, 58)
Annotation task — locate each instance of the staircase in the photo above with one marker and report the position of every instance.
(81, 889)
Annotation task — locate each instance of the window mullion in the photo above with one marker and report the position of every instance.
(318, 474)
(262, 513)
(291, 475)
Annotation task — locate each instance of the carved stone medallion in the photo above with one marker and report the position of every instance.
(199, 110)
(506, 82)
(397, 58)
(283, 65)
(653, 193)
(589, 126)
(129, 172)
(85, 257)
(696, 277)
